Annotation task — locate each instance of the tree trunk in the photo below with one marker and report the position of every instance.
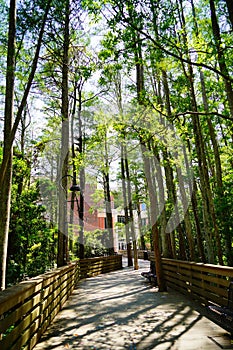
(108, 208)
(181, 186)
(193, 194)
(107, 197)
(165, 236)
(208, 207)
(11, 136)
(230, 11)
(74, 175)
(187, 219)
(205, 185)
(141, 100)
(210, 222)
(142, 238)
(82, 182)
(78, 85)
(219, 182)
(124, 191)
(82, 178)
(130, 206)
(172, 200)
(197, 224)
(220, 54)
(5, 189)
(154, 216)
(62, 258)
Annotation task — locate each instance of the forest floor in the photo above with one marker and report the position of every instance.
(121, 310)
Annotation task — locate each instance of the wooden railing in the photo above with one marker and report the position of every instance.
(95, 266)
(139, 252)
(205, 282)
(29, 307)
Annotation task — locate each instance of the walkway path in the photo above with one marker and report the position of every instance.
(120, 310)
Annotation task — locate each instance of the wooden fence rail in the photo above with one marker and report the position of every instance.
(141, 253)
(94, 266)
(205, 282)
(29, 307)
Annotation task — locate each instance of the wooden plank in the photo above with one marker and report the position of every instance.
(26, 336)
(202, 284)
(204, 281)
(44, 297)
(15, 295)
(13, 317)
(8, 341)
(216, 269)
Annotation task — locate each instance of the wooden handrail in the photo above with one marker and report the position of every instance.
(28, 308)
(205, 282)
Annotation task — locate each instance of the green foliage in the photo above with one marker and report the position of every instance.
(156, 38)
(3, 26)
(30, 240)
(95, 243)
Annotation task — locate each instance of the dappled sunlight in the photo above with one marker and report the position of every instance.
(120, 310)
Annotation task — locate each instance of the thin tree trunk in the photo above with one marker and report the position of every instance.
(118, 93)
(230, 11)
(218, 168)
(153, 213)
(130, 205)
(193, 195)
(74, 174)
(124, 191)
(82, 181)
(172, 200)
(141, 101)
(209, 216)
(208, 208)
(5, 188)
(221, 57)
(181, 186)
(12, 133)
(142, 238)
(197, 224)
(81, 213)
(109, 219)
(165, 237)
(187, 219)
(62, 258)
(107, 195)
(80, 149)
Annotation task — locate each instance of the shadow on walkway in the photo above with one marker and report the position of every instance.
(120, 310)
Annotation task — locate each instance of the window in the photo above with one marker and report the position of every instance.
(143, 221)
(121, 219)
(143, 206)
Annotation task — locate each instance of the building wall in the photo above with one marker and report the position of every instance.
(95, 218)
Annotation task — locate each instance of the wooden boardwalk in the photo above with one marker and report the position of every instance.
(121, 310)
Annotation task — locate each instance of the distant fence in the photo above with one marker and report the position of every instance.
(28, 308)
(141, 253)
(95, 266)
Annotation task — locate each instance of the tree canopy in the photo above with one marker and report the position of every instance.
(133, 97)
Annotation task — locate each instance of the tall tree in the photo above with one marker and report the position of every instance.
(221, 56)
(63, 254)
(107, 193)
(230, 11)
(126, 208)
(5, 189)
(12, 125)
